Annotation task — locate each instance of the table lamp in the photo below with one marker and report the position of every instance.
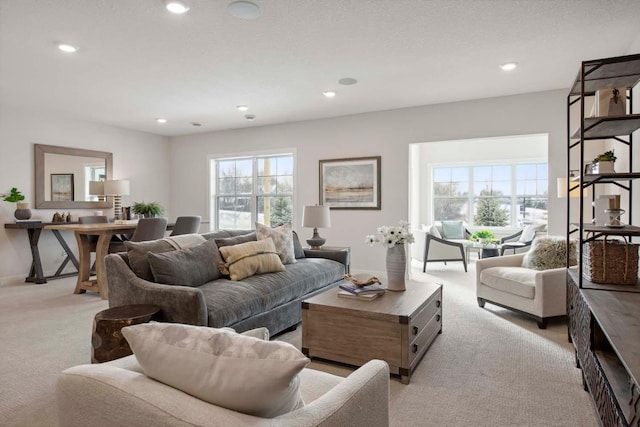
(96, 188)
(575, 186)
(116, 188)
(316, 217)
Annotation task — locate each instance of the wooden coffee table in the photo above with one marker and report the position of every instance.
(397, 327)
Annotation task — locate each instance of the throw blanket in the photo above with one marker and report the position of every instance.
(185, 240)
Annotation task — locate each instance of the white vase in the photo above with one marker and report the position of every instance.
(396, 268)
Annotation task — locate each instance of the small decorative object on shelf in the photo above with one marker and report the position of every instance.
(22, 209)
(604, 163)
(394, 239)
(361, 280)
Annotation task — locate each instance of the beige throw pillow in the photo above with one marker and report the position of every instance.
(237, 372)
(282, 238)
(247, 259)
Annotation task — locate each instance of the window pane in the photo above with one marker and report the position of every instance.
(226, 186)
(266, 185)
(525, 171)
(285, 165)
(244, 168)
(459, 188)
(501, 173)
(450, 209)
(441, 174)
(501, 188)
(441, 189)
(274, 211)
(226, 168)
(543, 170)
(243, 185)
(234, 212)
(532, 209)
(481, 188)
(482, 173)
(460, 174)
(284, 184)
(491, 211)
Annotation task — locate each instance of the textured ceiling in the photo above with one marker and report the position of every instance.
(137, 61)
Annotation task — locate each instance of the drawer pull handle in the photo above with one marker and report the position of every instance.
(414, 348)
(415, 330)
(437, 317)
(438, 303)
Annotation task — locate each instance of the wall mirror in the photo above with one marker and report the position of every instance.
(62, 176)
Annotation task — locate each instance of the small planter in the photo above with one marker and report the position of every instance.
(603, 166)
(22, 211)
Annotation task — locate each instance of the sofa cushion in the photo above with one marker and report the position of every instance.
(235, 240)
(513, 280)
(187, 267)
(237, 372)
(282, 237)
(247, 259)
(230, 302)
(549, 252)
(137, 253)
(297, 247)
(453, 229)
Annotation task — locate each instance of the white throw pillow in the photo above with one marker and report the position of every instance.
(282, 238)
(238, 372)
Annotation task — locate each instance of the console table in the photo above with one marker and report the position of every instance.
(604, 327)
(34, 229)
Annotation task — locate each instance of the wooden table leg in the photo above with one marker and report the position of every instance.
(85, 263)
(102, 250)
(36, 274)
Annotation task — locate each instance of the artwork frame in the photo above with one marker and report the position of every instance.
(351, 183)
(62, 187)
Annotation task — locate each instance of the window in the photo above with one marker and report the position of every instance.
(250, 189)
(491, 195)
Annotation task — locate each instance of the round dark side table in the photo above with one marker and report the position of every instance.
(107, 340)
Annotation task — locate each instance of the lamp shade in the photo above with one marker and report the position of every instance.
(118, 187)
(316, 217)
(575, 191)
(96, 188)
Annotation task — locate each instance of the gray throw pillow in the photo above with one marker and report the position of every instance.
(232, 241)
(137, 253)
(452, 230)
(192, 266)
(297, 247)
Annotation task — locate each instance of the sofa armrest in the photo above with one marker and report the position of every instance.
(107, 395)
(341, 256)
(180, 304)
(551, 286)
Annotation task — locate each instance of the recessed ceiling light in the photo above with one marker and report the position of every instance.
(196, 124)
(347, 81)
(160, 120)
(508, 66)
(242, 107)
(249, 116)
(176, 6)
(67, 48)
(244, 10)
(329, 93)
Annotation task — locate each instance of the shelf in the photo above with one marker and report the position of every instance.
(609, 126)
(617, 377)
(608, 178)
(587, 284)
(628, 230)
(622, 71)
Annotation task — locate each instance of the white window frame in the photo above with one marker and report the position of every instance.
(471, 197)
(212, 162)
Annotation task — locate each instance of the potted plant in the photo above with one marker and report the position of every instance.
(22, 209)
(149, 210)
(483, 236)
(603, 163)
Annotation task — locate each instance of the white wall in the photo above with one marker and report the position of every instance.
(140, 157)
(387, 134)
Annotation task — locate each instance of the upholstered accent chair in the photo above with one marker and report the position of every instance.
(147, 229)
(441, 242)
(186, 225)
(504, 282)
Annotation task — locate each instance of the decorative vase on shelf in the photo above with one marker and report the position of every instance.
(22, 211)
(396, 268)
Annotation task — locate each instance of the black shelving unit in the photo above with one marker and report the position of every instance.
(623, 71)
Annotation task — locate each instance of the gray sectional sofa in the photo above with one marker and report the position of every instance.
(270, 300)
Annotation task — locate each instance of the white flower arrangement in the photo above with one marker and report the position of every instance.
(389, 236)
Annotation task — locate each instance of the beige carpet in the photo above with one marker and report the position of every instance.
(490, 367)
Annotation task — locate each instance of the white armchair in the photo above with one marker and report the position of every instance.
(118, 393)
(503, 281)
(431, 246)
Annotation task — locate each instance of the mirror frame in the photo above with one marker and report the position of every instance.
(40, 150)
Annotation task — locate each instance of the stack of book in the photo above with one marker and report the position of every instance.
(365, 293)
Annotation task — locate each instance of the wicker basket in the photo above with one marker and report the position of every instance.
(613, 262)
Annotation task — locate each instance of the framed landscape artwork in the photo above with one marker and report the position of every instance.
(350, 183)
(61, 187)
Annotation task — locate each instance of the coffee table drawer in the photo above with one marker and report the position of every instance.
(423, 340)
(432, 308)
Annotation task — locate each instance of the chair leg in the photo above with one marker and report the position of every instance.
(464, 260)
(480, 302)
(542, 323)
